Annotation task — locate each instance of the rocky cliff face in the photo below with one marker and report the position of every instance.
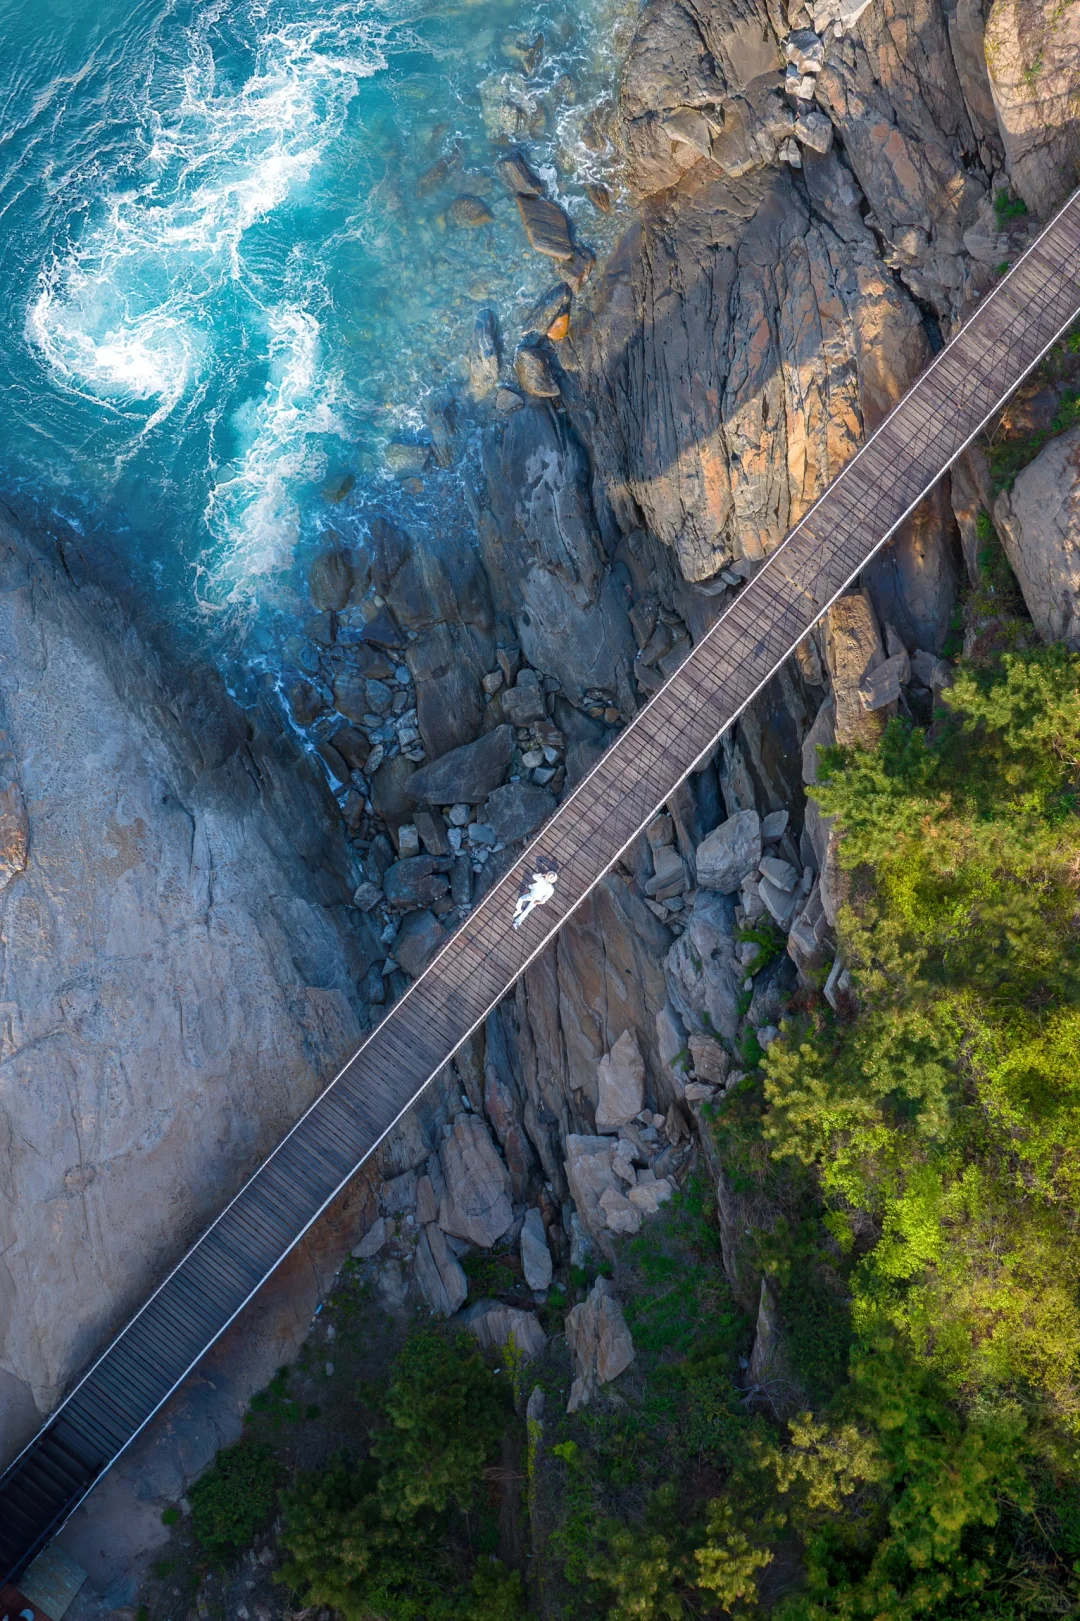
(178, 966)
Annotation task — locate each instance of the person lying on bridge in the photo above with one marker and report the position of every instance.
(536, 889)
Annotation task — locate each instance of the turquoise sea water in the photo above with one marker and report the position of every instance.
(229, 281)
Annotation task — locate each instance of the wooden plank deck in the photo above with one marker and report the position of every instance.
(961, 388)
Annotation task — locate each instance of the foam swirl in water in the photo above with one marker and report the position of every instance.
(134, 314)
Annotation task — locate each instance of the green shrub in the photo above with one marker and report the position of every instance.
(394, 1537)
(235, 1499)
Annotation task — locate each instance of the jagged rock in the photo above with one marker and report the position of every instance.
(881, 686)
(427, 1201)
(484, 355)
(1039, 524)
(589, 1175)
(416, 942)
(517, 809)
(704, 977)
(542, 546)
(330, 580)
(1031, 51)
(523, 704)
(535, 1254)
(669, 874)
(768, 1362)
(619, 1214)
(737, 283)
(549, 310)
(710, 1061)
(353, 746)
(773, 989)
(518, 177)
(730, 853)
(388, 791)
(780, 873)
(467, 774)
(432, 830)
(476, 1203)
(854, 650)
(779, 903)
(621, 1084)
(398, 1195)
(906, 133)
(533, 371)
(374, 1239)
(814, 130)
(599, 1342)
(494, 1323)
(932, 672)
(415, 882)
(546, 226)
(440, 1273)
(649, 1196)
(306, 702)
(809, 942)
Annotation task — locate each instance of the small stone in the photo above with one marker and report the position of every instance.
(599, 196)
(408, 840)
(459, 815)
(524, 704)
(508, 399)
(619, 1214)
(533, 372)
(780, 873)
(767, 1035)
(814, 130)
(470, 212)
(805, 50)
(419, 938)
(374, 1239)
(559, 328)
(492, 681)
(432, 830)
(649, 1196)
(367, 896)
(306, 702)
(482, 833)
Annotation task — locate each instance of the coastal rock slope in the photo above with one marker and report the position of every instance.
(177, 968)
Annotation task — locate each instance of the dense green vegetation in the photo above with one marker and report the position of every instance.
(406, 1533)
(235, 1499)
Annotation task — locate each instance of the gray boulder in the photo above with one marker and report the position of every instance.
(475, 1204)
(439, 1273)
(590, 1175)
(599, 1341)
(467, 774)
(535, 1254)
(621, 1084)
(730, 853)
(1039, 523)
(415, 882)
(493, 1324)
(523, 704)
(418, 939)
(517, 809)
